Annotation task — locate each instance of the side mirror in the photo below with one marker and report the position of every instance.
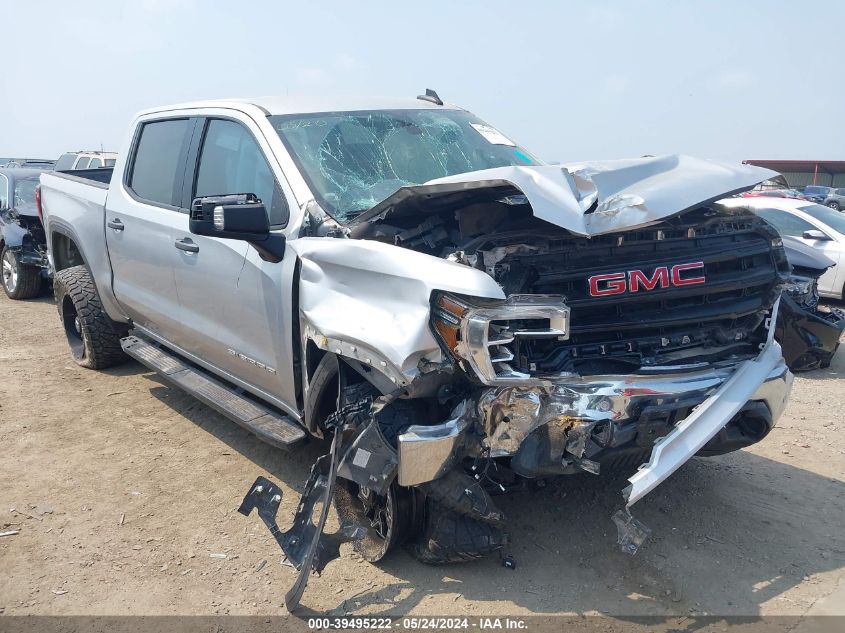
(237, 217)
(815, 234)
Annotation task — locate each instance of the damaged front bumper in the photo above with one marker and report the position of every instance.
(581, 424)
(808, 335)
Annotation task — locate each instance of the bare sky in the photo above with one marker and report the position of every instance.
(568, 80)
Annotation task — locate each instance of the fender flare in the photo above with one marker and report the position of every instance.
(59, 227)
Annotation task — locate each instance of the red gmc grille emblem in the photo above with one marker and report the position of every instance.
(637, 280)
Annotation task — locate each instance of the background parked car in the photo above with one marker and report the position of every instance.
(23, 248)
(775, 193)
(816, 193)
(817, 226)
(84, 160)
(34, 163)
(836, 199)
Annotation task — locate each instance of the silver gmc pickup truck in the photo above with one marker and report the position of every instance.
(452, 315)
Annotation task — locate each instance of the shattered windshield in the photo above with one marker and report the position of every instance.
(354, 160)
(25, 191)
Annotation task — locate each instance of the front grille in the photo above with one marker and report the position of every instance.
(743, 266)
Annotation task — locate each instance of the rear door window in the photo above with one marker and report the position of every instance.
(231, 162)
(65, 162)
(159, 161)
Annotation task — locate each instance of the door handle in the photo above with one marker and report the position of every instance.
(186, 244)
(115, 224)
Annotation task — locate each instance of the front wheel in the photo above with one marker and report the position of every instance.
(93, 337)
(19, 280)
(390, 519)
(833, 204)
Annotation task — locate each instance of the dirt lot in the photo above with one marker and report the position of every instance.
(124, 493)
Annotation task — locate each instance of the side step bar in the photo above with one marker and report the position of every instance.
(269, 426)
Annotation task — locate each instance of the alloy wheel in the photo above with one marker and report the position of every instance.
(10, 271)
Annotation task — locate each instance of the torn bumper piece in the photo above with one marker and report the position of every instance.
(766, 378)
(358, 453)
(428, 452)
(304, 545)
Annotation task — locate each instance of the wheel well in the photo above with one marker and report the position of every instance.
(65, 252)
(313, 356)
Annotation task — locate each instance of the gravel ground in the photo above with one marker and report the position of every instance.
(123, 495)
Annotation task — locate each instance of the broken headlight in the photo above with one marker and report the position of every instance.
(487, 334)
(802, 290)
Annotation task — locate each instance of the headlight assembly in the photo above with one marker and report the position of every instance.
(488, 334)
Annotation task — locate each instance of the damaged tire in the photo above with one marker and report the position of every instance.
(392, 518)
(449, 520)
(448, 537)
(93, 337)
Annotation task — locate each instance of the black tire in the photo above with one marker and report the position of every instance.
(19, 280)
(443, 535)
(322, 393)
(93, 337)
(448, 537)
(395, 516)
(460, 494)
(833, 205)
(322, 401)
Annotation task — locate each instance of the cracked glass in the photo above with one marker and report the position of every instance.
(354, 160)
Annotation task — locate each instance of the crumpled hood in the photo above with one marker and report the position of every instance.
(588, 198)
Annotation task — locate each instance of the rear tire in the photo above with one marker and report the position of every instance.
(93, 337)
(20, 281)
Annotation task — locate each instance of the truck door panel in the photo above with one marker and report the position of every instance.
(235, 306)
(140, 224)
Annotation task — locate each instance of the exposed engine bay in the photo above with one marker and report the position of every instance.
(604, 345)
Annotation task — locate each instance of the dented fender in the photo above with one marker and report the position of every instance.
(370, 301)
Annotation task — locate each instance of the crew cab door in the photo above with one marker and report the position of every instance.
(236, 307)
(142, 211)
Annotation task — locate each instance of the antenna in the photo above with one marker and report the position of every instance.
(430, 95)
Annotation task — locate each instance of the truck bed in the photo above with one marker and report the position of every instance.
(73, 205)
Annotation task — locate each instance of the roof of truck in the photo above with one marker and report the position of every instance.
(301, 104)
